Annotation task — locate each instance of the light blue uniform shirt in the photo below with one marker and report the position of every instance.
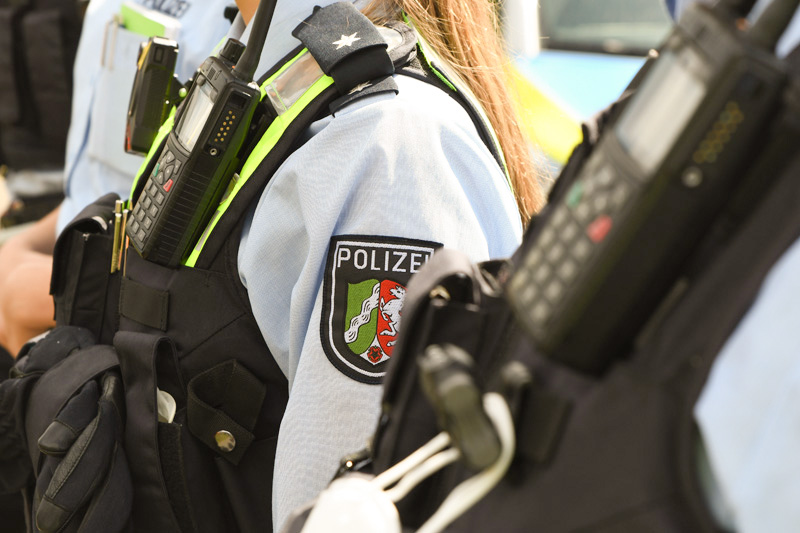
(748, 412)
(410, 165)
(105, 65)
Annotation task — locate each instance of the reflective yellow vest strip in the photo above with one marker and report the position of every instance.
(262, 149)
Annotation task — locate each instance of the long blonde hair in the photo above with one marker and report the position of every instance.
(465, 34)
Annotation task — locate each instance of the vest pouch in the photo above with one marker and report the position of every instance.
(204, 315)
(245, 493)
(106, 142)
(223, 407)
(84, 289)
(9, 84)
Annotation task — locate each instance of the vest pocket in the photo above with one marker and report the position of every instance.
(82, 283)
(250, 495)
(223, 408)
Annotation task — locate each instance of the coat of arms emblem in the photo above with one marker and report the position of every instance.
(364, 287)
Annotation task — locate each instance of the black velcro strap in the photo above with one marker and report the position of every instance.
(346, 45)
(540, 423)
(173, 468)
(225, 398)
(144, 304)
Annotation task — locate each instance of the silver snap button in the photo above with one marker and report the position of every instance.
(226, 442)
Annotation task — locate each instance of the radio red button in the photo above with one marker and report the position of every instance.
(168, 185)
(599, 228)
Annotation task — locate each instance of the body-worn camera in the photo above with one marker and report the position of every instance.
(614, 243)
(155, 90)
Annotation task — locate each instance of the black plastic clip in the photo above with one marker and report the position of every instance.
(445, 374)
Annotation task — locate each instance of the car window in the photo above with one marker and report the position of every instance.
(612, 26)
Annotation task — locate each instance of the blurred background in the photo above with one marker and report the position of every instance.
(572, 58)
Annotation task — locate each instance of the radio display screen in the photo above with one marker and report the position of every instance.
(662, 107)
(195, 116)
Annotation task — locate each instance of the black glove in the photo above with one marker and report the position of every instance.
(33, 361)
(85, 483)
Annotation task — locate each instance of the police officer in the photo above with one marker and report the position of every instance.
(96, 162)
(402, 167)
(364, 201)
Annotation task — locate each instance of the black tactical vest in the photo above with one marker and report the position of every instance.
(615, 453)
(188, 332)
(38, 41)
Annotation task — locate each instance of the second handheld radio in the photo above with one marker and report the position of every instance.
(591, 273)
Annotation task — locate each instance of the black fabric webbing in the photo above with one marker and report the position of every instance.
(139, 354)
(346, 45)
(227, 397)
(386, 85)
(144, 304)
(173, 468)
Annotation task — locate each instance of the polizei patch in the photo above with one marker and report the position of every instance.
(363, 292)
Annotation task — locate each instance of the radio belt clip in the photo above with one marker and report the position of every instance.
(456, 398)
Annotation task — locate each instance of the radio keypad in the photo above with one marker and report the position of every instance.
(567, 243)
(154, 195)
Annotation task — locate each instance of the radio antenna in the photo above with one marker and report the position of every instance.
(768, 29)
(246, 67)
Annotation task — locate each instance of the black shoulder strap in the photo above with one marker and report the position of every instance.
(350, 49)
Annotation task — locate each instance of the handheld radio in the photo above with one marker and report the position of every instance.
(155, 90)
(200, 155)
(591, 273)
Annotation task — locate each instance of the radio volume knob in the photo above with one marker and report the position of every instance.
(232, 51)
